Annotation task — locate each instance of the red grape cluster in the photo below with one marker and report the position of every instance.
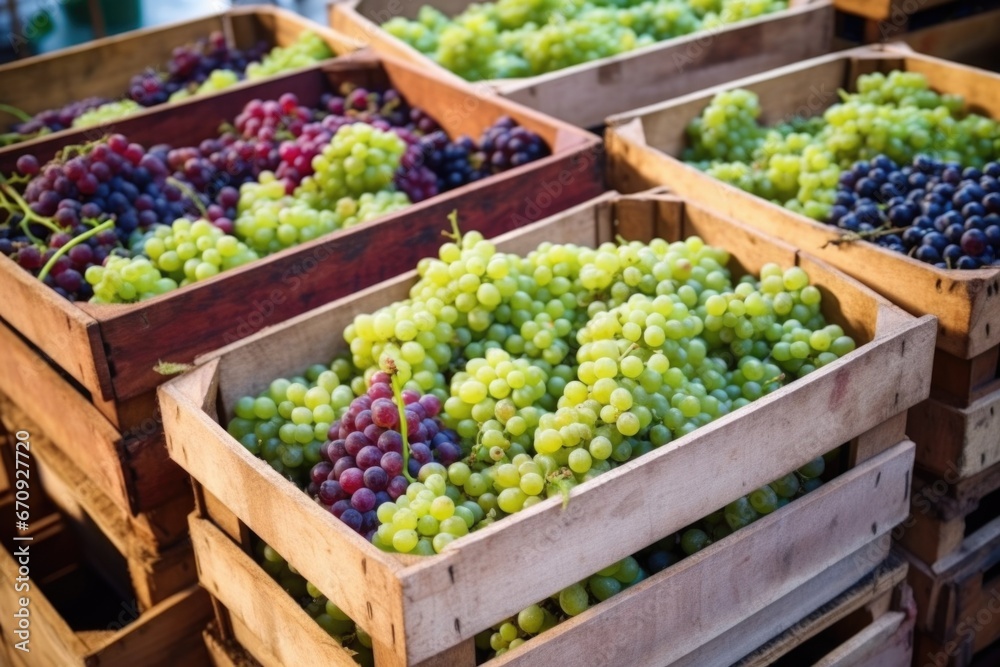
(54, 120)
(362, 463)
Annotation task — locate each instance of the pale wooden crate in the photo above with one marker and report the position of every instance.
(588, 93)
(265, 621)
(104, 67)
(644, 149)
(149, 555)
(415, 608)
(165, 635)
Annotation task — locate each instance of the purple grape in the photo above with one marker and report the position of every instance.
(320, 472)
(353, 519)
(339, 507)
(351, 480)
(363, 420)
(392, 463)
(330, 492)
(397, 486)
(342, 464)
(376, 478)
(363, 500)
(368, 457)
(373, 432)
(335, 450)
(391, 441)
(355, 442)
(385, 413)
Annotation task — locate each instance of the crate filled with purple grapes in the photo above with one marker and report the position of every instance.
(200, 227)
(101, 82)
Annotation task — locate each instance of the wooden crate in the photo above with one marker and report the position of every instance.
(947, 510)
(76, 621)
(111, 349)
(869, 625)
(958, 598)
(415, 609)
(249, 601)
(128, 465)
(226, 652)
(971, 40)
(644, 148)
(588, 93)
(153, 553)
(104, 67)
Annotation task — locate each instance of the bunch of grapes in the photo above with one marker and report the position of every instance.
(106, 113)
(934, 211)
(192, 65)
(798, 164)
(518, 38)
(52, 120)
(308, 49)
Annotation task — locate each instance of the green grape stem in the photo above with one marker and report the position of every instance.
(15, 112)
(75, 150)
(455, 234)
(558, 479)
(397, 392)
(71, 244)
(19, 206)
(172, 368)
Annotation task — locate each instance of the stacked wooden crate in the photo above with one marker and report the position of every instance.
(712, 608)
(588, 93)
(953, 535)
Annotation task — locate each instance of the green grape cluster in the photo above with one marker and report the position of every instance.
(217, 80)
(328, 615)
(797, 164)
(127, 280)
(429, 516)
(165, 258)
(571, 601)
(308, 49)
(516, 38)
(360, 159)
(107, 113)
(288, 422)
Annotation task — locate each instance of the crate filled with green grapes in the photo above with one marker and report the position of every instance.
(524, 436)
(200, 227)
(886, 164)
(582, 62)
(104, 81)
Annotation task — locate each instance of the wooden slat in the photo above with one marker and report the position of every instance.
(962, 441)
(971, 41)
(644, 145)
(287, 634)
(748, 572)
(880, 10)
(27, 380)
(790, 612)
(864, 643)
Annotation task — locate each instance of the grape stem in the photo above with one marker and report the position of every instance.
(172, 368)
(851, 237)
(397, 392)
(25, 211)
(71, 244)
(558, 479)
(22, 116)
(455, 234)
(64, 153)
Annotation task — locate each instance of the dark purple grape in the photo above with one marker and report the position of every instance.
(973, 242)
(369, 456)
(392, 463)
(384, 413)
(355, 442)
(353, 519)
(339, 507)
(342, 464)
(397, 486)
(330, 491)
(376, 478)
(351, 480)
(363, 500)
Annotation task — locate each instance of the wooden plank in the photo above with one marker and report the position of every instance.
(880, 10)
(643, 146)
(786, 621)
(35, 387)
(223, 653)
(859, 647)
(962, 441)
(586, 94)
(287, 634)
(962, 381)
(822, 536)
